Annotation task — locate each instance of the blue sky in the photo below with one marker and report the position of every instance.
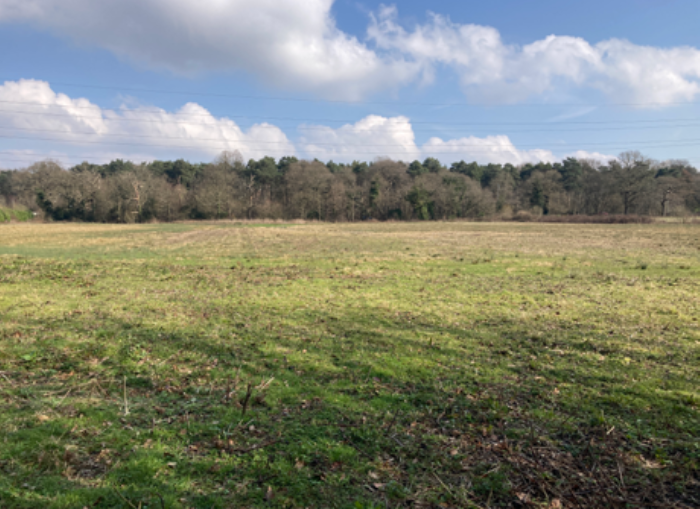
(499, 81)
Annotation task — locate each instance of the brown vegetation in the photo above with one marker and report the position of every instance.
(526, 217)
(574, 191)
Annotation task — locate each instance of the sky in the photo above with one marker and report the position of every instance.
(498, 81)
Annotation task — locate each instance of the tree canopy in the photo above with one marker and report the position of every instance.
(123, 191)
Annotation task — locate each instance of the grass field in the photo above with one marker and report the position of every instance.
(349, 366)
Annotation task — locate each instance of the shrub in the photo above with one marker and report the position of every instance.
(524, 216)
(7, 215)
(598, 219)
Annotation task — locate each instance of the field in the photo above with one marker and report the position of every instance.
(376, 365)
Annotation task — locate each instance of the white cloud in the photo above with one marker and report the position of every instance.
(648, 74)
(592, 156)
(491, 149)
(376, 136)
(69, 130)
(288, 43)
(493, 71)
(297, 45)
(33, 110)
(373, 136)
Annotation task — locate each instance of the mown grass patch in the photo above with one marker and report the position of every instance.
(372, 365)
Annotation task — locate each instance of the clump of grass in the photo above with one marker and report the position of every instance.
(8, 214)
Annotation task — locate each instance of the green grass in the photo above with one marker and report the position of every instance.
(7, 215)
(349, 366)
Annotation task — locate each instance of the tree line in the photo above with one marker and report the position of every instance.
(125, 192)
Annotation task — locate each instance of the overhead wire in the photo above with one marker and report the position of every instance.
(341, 101)
(248, 144)
(193, 138)
(302, 128)
(161, 111)
(478, 147)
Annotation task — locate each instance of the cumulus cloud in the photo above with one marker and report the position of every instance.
(491, 149)
(297, 45)
(592, 156)
(31, 109)
(376, 136)
(78, 130)
(285, 42)
(494, 71)
(373, 136)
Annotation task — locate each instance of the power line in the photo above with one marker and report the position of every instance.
(480, 148)
(154, 121)
(161, 111)
(31, 129)
(282, 143)
(696, 123)
(339, 101)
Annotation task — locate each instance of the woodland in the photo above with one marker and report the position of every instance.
(288, 188)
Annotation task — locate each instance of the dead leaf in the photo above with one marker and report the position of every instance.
(651, 464)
